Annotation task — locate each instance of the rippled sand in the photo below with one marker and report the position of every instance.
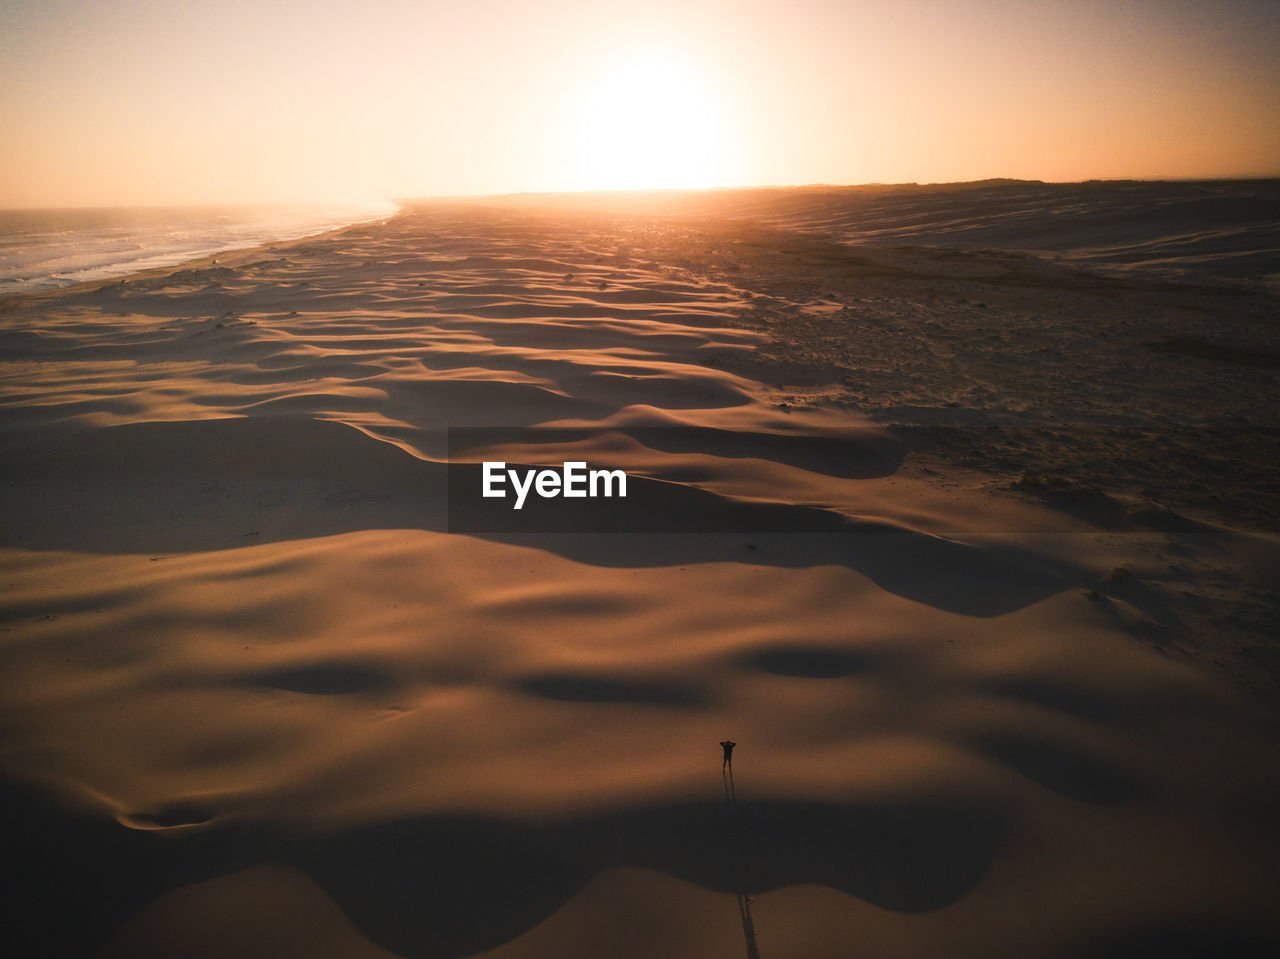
(257, 699)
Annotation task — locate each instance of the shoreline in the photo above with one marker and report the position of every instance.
(185, 261)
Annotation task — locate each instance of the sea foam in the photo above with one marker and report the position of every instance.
(48, 249)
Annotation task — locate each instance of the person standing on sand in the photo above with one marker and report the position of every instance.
(728, 754)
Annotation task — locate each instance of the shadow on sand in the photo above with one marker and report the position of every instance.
(450, 887)
(229, 483)
(735, 812)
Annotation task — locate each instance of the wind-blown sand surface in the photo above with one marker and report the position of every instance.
(1012, 695)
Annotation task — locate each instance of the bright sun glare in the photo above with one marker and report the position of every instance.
(650, 120)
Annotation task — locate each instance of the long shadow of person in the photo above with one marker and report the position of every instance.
(748, 926)
(744, 895)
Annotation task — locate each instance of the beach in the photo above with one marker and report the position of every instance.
(967, 541)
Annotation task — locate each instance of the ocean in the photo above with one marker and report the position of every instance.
(48, 249)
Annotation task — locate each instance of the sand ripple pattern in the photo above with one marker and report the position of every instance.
(285, 712)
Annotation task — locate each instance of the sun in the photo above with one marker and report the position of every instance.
(650, 120)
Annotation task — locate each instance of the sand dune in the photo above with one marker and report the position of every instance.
(261, 694)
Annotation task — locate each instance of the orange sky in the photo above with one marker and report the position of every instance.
(147, 101)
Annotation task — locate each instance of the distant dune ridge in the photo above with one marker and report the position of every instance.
(990, 612)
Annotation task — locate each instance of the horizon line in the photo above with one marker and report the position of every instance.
(635, 191)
